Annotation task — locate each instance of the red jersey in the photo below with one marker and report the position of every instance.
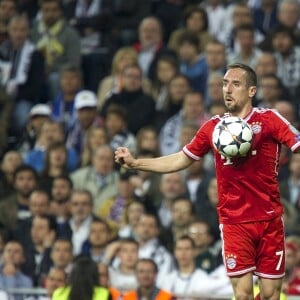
(248, 188)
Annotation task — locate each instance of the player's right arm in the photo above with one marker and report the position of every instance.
(164, 164)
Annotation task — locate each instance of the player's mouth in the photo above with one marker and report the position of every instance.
(228, 99)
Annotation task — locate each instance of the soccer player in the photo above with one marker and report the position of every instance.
(249, 208)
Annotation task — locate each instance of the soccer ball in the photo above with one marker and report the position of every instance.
(232, 137)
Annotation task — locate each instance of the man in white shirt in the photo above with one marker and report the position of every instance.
(124, 252)
(187, 280)
(147, 232)
(80, 222)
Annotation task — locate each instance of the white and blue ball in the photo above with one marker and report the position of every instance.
(232, 137)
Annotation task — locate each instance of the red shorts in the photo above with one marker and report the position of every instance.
(254, 247)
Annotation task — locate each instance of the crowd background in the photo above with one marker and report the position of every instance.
(82, 77)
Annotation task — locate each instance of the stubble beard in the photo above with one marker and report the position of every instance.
(232, 108)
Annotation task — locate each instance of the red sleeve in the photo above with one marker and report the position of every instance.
(284, 132)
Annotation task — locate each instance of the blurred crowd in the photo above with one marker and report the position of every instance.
(79, 78)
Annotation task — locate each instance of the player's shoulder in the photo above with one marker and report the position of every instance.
(267, 114)
(263, 110)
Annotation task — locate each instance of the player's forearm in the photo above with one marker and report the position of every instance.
(164, 164)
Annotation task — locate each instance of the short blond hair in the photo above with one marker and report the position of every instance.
(124, 51)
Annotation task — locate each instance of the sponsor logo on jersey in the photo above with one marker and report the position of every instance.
(256, 127)
(230, 261)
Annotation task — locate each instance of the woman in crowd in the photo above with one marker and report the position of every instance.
(83, 283)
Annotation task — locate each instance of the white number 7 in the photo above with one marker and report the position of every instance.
(280, 254)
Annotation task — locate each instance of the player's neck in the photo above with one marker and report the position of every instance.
(244, 113)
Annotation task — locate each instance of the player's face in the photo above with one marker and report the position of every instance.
(236, 94)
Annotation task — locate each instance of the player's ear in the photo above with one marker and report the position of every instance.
(252, 91)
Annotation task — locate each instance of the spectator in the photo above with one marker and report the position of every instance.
(133, 99)
(150, 45)
(114, 209)
(193, 110)
(196, 180)
(58, 135)
(266, 64)
(146, 274)
(265, 16)
(146, 185)
(56, 278)
(100, 179)
(11, 275)
(214, 89)
(187, 280)
(134, 211)
(36, 156)
(62, 255)
(192, 62)
(8, 9)
(22, 69)
(122, 277)
(240, 14)
(147, 140)
(207, 211)
(10, 161)
(166, 69)
(178, 86)
(217, 17)
(247, 52)
(290, 218)
(95, 137)
(199, 231)
(150, 247)
(37, 252)
(15, 207)
(104, 281)
(39, 203)
(127, 18)
(172, 186)
(85, 105)
(290, 186)
(70, 82)
(215, 57)
(58, 42)
(295, 239)
(55, 165)
(60, 201)
(93, 21)
(271, 89)
(51, 132)
(97, 241)
(38, 114)
(115, 123)
(6, 105)
(170, 13)
(183, 213)
(289, 15)
(291, 282)
(196, 20)
(112, 84)
(83, 283)
(287, 55)
(81, 219)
